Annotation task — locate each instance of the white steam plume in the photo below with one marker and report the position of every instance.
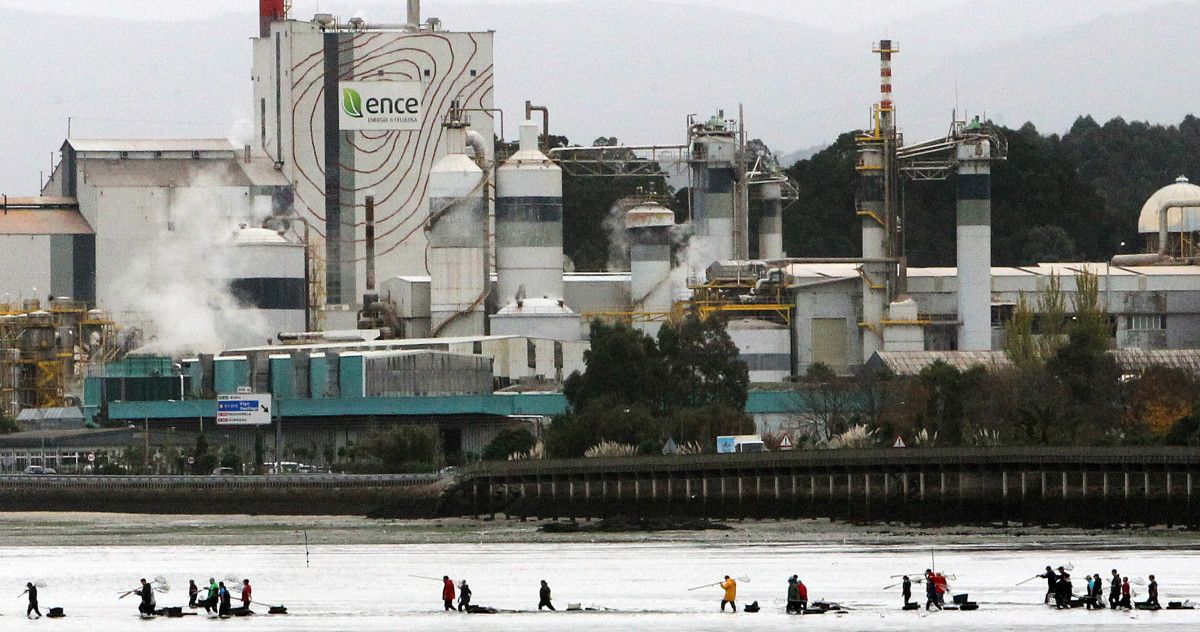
(176, 286)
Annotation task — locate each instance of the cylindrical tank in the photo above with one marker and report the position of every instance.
(974, 227)
(649, 225)
(770, 221)
(529, 239)
(764, 346)
(266, 278)
(713, 155)
(458, 226)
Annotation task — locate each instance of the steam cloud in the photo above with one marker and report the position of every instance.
(175, 288)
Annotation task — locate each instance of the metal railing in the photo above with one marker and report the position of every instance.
(1041, 456)
(272, 481)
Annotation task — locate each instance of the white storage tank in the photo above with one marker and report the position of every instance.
(267, 282)
(458, 227)
(649, 225)
(529, 242)
(764, 346)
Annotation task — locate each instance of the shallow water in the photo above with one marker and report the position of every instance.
(370, 587)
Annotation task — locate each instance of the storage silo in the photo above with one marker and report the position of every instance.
(770, 221)
(266, 277)
(649, 225)
(529, 243)
(458, 227)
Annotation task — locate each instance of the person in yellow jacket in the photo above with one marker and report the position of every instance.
(730, 586)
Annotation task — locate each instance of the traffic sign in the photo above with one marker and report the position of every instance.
(244, 409)
(785, 443)
(899, 443)
(191, 460)
(91, 457)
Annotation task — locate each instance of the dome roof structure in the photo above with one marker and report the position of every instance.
(252, 235)
(1178, 220)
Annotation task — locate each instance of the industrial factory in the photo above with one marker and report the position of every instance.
(374, 253)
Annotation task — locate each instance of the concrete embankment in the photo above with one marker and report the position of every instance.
(414, 496)
(1067, 486)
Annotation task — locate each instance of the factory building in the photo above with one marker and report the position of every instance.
(352, 109)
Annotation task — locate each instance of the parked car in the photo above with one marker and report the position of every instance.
(223, 471)
(38, 469)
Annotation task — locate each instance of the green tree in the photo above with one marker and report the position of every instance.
(702, 365)
(399, 448)
(637, 391)
(231, 458)
(622, 364)
(8, 425)
(205, 460)
(1019, 342)
(507, 442)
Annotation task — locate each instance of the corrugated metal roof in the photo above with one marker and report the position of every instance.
(150, 144)
(367, 345)
(909, 363)
(70, 413)
(44, 222)
(37, 201)
(1136, 360)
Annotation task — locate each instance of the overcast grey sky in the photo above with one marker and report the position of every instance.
(839, 15)
(630, 68)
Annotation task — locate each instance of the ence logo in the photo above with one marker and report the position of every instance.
(380, 105)
(352, 102)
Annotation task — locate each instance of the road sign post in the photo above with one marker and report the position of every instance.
(244, 409)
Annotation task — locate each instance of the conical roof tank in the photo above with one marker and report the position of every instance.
(529, 243)
(457, 227)
(649, 225)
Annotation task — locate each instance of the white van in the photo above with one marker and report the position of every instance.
(734, 444)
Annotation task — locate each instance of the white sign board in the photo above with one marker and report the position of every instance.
(244, 409)
(380, 105)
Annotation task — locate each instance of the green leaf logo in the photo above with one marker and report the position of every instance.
(352, 102)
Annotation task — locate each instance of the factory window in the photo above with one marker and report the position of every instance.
(426, 72)
(474, 72)
(1146, 322)
(530, 353)
(1001, 314)
(477, 347)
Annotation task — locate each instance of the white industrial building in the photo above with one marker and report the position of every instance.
(306, 77)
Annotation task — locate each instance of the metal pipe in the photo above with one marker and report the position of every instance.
(1160, 256)
(370, 208)
(529, 110)
(1179, 203)
(475, 140)
(787, 260)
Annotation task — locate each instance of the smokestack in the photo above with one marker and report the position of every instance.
(414, 14)
(269, 11)
(974, 255)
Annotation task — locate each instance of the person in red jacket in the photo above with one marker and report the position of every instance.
(802, 593)
(448, 592)
(941, 587)
(246, 592)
